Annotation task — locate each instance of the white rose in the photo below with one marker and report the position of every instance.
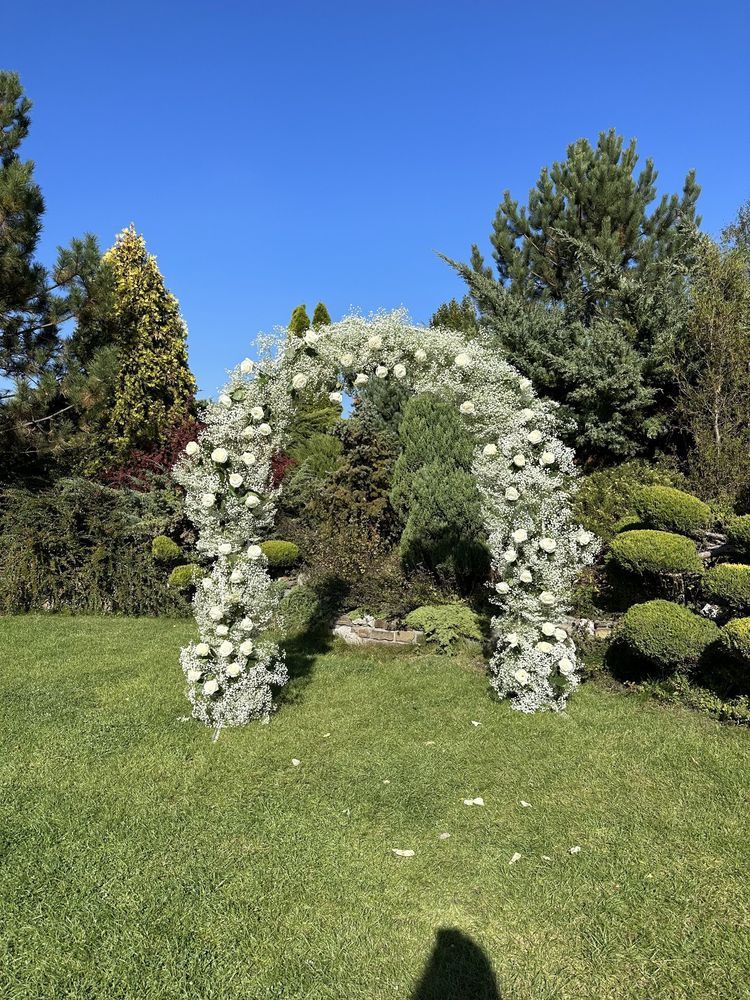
(547, 544)
(210, 687)
(226, 648)
(510, 555)
(525, 576)
(489, 450)
(248, 458)
(381, 371)
(502, 587)
(192, 448)
(235, 480)
(535, 437)
(548, 458)
(547, 598)
(560, 634)
(512, 494)
(335, 397)
(222, 630)
(208, 500)
(467, 408)
(194, 675)
(400, 371)
(247, 625)
(251, 501)
(248, 432)
(311, 337)
(347, 360)
(225, 548)
(233, 670)
(521, 676)
(525, 415)
(566, 666)
(375, 343)
(361, 379)
(215, 613)
(420, 354)
(225, 400)
(219, 455)
(462, 361)
(519, 460)
(525, 383)
(246, 366)
(236, 575)
(246, 647)
(544, 647)
(264, 430)
(548, 628)
(520, 535)
(512, 639)
(257, 413)
(583, 537)
(202, 649)
(254, 552)
(207, 583)
(299, 381)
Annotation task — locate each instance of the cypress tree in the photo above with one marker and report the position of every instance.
(455, 315)
(299, 324)
(155, 387)
(321, 316)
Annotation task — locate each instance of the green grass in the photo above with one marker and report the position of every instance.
(141, 860)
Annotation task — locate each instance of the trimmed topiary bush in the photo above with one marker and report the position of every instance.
(735, 638)
(738, 532)
(729, 583)
(280, 555)
(666, 634)
(648, 552)
(183, 577)
(668, 509)
(445, 624)
(163, 549)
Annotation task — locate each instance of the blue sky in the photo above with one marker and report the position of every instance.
(279, 153)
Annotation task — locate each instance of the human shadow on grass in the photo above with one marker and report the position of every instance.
(458, 969)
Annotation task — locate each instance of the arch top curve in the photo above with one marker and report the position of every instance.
(525, 476)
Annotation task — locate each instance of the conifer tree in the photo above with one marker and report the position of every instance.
(155, 388)
(321, 316)
(299, 324)
(455, 315)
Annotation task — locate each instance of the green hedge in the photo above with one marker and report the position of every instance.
(183, 577)
(729, 583)
(281, 555)
(81, 547)
(652, 552)
(668, 509)
(735, 639)
(445, 624)
(163, 549)
(666, 634)
(738, 532)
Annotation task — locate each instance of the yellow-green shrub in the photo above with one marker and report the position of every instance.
(668, 509)
(281, 555)
(666, 634)
(648, 552)
(183, 577)
(738, 532)
(729, 583)
(163, 549)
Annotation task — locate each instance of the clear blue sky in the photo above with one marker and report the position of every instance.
(275, 153)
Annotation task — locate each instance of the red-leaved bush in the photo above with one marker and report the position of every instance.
(135, 472)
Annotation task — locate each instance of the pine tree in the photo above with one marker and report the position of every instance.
(455, 315)
(321, 316)
(299, 324)
(155, 389)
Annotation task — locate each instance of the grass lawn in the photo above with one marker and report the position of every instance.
(141, 860)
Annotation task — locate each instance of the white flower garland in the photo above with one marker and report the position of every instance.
(525, 476)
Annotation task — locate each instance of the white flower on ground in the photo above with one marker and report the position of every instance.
(254, 552)
(194, 675)
(535, 437)
(299, 381)
(519, 460)
(522, 676)
(547, 598)
(375, 343)
(462, 360)
(510, 555)
(192, 448)
(202, 649)
(467, 408)
(226, 648)
(210, 687)
(257, 412)
(225, 401)
(502, 587)
(361, 379)
(335, 397)
(234, 670)
(512, 639)
(347, 360)
(252, 501)
(512, 494)
(545, 647)
(584, 537)
(381, 371)
(311, 337)
(520, 535)
(399, 371)
(420, 354)
(525, 576)
(225, 548)
(235, 480)
(246, 366)
(246, 647)
(547, 545)
(215, 613)
(208, 500)
(220, 456)
(489, 450)
(566, 666)
(547, 458)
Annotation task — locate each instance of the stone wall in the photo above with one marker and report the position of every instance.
(357, 631)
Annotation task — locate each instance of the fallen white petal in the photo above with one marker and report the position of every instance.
(516, 857)
(402, 854)
(326, 735)
(430, 743)
(575, 850)
(478, 801)
(475, 723)
(526, 805)
(296, 762)
(443, 836)
(546, 857)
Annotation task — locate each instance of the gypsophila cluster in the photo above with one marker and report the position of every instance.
(525, 476)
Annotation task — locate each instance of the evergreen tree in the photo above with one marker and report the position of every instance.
(155, 387)
(455, 315)
(737, 233)
(585, 265)
(314, 414)
(299, 324)
(321, 316)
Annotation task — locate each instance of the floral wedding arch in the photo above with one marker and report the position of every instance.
(524, 474)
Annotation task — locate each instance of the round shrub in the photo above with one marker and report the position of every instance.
(183, 577)
(445, 624)
(652, 552)
(163, 549)
(738, 532)
(280, 555)
(669, 509)
(666, 634)
(735, 638)
(729, 583)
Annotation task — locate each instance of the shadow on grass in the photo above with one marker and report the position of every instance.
(458, 969)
